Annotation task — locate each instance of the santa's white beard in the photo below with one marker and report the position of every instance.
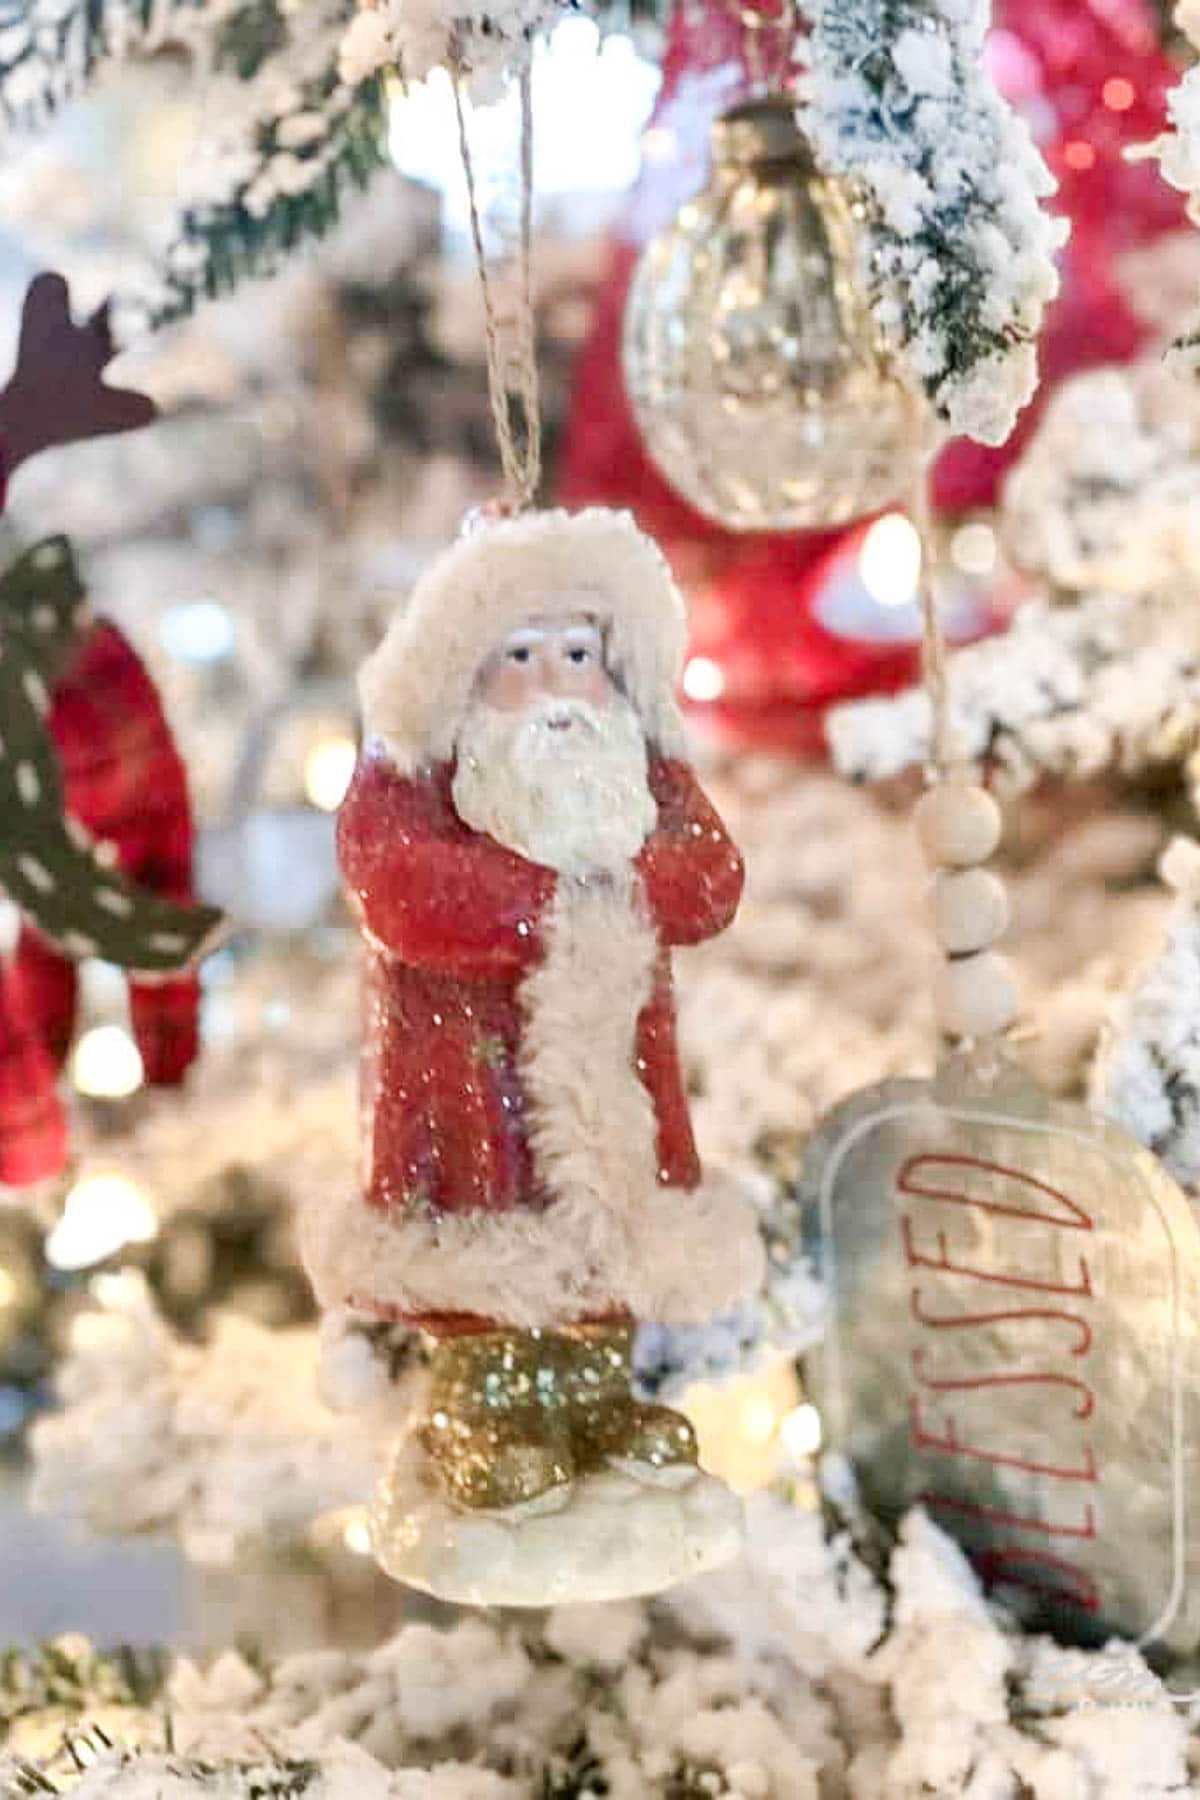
(562, 782)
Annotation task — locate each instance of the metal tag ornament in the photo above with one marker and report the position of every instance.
(1014, 1343)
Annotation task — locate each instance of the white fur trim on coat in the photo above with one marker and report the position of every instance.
(679, 1257)
(589, 1116)
(612, 1234)
(416, 685)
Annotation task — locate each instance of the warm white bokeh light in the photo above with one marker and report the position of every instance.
(591, 99)
(327, 771)
(738, 1423)
(973, 548)
(889, 562)
(800, 1431)
(356, 1536)
(106, 1064)
(101, 1214)
(703, 679)
(197, 631)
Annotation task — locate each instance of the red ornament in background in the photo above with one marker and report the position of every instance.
(1091, 79)
(125, 782)
(33, 1124)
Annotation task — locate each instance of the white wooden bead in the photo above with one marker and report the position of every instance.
(958, 824)
(970, 910)
(976, 997)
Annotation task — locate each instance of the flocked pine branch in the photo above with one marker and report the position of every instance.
(224, 1444)
(1178, 152)
(269, 182)
(961, 253)
(1147, 1076)
(50, 50)
(787, 1677)
(1109, 684)
(1107, 495)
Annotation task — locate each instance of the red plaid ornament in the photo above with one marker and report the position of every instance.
(33, 1126)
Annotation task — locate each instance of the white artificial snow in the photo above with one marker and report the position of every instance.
(486, 43)
(1110, 684)
(960, 251)
(1178, 153)
(1147, 1077)
(49, 47)
(1108, 492)
(786, 1680)
(227, 1442)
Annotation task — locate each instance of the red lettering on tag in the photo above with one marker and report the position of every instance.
(1075, 1218)
(996, 1564)
(944, 1265)
(953, 1445)
(994, 1515)
(1033, 1378)
(959, 1321)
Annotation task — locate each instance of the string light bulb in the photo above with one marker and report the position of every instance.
(703, 679)
(327, 771)
(356, 1536)
(889, 562)
(800, 1431)
(107, 1064)
(100, 1215)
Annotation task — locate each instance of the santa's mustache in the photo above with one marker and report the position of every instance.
(555, 716)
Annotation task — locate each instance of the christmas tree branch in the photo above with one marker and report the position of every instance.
(1178, 153)
(280, 182)
(50, 50)
(960, 252)
(225, 1443)
(1109, 684)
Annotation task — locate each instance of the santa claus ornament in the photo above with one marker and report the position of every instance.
(522, 844)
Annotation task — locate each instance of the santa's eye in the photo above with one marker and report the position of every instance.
(520, 653)
(579, 654)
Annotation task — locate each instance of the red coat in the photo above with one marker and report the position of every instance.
(442, 1102)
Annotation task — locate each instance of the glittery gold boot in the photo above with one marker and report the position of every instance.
(608, 1425)
(496, 1427)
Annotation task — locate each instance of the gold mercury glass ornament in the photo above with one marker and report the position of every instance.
(755, 371)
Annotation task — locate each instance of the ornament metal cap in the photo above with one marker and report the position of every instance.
(761, 131)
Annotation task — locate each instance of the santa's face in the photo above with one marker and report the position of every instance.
(551, 757)
(550, 659)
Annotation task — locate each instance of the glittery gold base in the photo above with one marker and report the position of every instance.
(514, 1415)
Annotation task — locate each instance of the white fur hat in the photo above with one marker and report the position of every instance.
(416, 686)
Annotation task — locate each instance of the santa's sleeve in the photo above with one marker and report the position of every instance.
(691, 869)
(429, 890)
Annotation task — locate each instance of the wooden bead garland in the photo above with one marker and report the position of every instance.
(976, 996)
(970, 910)
(959, 826)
